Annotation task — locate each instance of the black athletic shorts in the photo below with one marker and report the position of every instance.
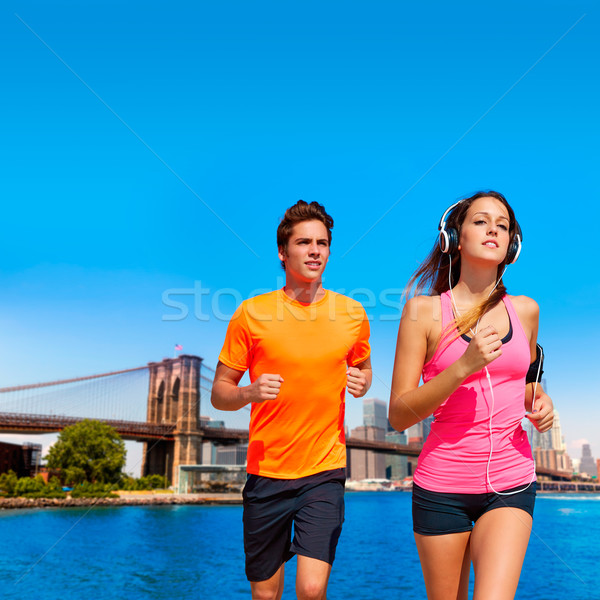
(438, 513)
(313, 504)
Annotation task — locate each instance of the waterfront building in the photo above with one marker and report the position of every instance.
(551, 459)
(221, 467)
(587, 464)
(544, 441)
(216, 454)
(375, 413)
(231, 455)
(537, 439)
(206, 453)
(565, 463)
(362, 464)
(547, 458)
(557, 438)
(417, 433)
(396, 467)
(549, 448)
(23, 459)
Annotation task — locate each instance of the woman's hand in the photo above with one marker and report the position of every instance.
(484, 347)
(542, 416)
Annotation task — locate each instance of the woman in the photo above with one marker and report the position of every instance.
(475, 347)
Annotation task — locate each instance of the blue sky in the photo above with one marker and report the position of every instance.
(148, 147)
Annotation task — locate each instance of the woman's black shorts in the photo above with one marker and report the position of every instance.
(438, 513)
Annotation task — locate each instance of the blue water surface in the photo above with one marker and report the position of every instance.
(193, 552)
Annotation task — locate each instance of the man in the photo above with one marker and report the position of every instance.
(303, 345)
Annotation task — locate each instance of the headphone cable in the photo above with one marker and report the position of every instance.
(489, 379)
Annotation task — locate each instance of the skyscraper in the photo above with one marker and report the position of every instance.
(545, 440)
(365, 464)
(549, 448)
(396, 466)
(587, 463)
(557, 441)
(417, 433)
(375, 413)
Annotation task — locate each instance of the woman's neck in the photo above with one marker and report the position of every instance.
(474, 287)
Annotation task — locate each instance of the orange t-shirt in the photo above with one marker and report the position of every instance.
(301, 432)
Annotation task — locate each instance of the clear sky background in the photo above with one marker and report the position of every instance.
(149, 149)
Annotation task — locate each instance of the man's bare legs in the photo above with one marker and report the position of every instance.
(270, 589)
(312, 576)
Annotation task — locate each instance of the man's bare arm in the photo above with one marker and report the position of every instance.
(227, 395)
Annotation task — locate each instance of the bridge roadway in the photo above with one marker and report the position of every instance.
(145, 432)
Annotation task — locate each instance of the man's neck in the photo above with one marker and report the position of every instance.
(305, 293)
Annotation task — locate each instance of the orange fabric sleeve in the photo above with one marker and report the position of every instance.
(237, 348)
(362, 349)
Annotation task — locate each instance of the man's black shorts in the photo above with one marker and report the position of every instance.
(438, 513)
(313, 504)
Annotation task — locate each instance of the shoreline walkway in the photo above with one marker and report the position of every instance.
(124, 499)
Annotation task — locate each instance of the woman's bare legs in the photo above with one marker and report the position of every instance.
(446, 562)
(498, 545)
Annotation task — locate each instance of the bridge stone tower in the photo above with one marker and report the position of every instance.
(174, 399)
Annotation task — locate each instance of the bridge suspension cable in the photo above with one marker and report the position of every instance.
(116, 395)
(31, 386)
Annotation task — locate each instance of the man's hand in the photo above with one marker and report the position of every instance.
(358, 382)
(226, 395)
(265, 387)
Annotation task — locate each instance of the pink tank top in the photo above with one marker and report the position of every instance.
(456, 452)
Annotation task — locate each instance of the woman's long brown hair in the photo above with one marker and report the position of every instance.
(432, 275)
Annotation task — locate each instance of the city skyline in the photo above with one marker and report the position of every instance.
(549, 448)
(374, 425)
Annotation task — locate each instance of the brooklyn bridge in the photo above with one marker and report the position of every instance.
(164, 405)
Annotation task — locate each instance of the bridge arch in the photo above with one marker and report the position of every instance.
(158, 406)
(175, 398)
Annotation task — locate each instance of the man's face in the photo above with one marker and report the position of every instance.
(306, 253)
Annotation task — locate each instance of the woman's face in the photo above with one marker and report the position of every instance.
(484, 235)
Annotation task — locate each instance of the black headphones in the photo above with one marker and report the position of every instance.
(448, 239)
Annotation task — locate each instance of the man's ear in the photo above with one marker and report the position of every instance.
(282, 253)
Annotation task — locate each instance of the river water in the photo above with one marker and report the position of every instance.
(195, 552)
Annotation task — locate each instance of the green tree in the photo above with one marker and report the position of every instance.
(29, 485)
(88, 451)
(94, 490)
(8, 483)
(149, 482)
